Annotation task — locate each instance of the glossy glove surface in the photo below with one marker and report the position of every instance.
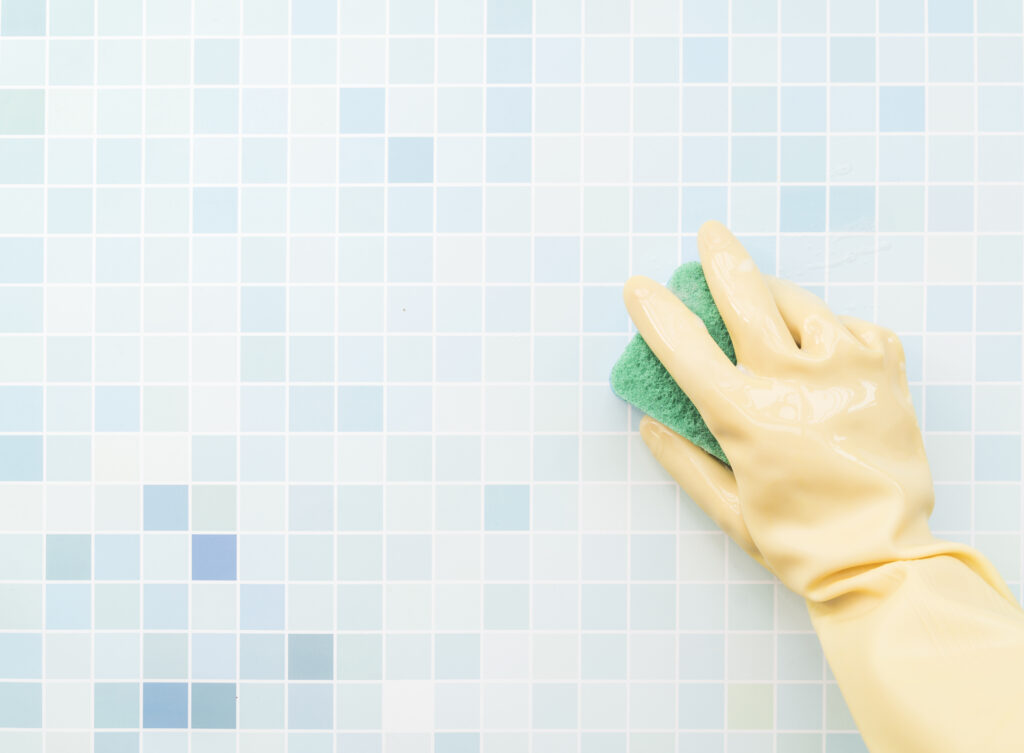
(831, 490)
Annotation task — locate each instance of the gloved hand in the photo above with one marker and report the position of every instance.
(830, 489)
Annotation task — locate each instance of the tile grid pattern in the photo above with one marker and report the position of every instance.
(410, 375)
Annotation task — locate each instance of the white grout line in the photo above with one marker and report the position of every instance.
(385, 432)
(825, 281)
(45, 442)
(531, 489)
(190, 612)
(974, 263)
(336, 579)
(677, 495)
(630, 225)
(582, 194)
(482, 708)
(727, 576)
(237, 485)
(778, 252)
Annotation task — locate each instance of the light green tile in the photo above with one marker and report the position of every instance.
(751, 706)
(261, 706)
(837, 713)
(23, 606)
(21, 557)
(117, 606)
(214, 508)
(165, 656)
(21, 111)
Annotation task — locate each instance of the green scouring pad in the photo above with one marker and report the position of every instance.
(639, 378)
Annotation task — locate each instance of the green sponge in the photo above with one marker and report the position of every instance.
(639, 378)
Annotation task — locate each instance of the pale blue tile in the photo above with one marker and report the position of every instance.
(998, 308)
(23, 18)
(508, 109)
(997, 507)
(853, 109)
(803, 59)
(950, 16)
(997, 358)
(705, 59)
(852, 60)
(705, 17)
(949, 308)
(901, 16)
(701, 706)
(509, 16)
(997, 457)
(362, 110)
(802, 209)
(754, 109)
(509, 60)
(1000, 16)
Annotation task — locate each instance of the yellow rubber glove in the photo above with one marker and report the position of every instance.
(830, 489)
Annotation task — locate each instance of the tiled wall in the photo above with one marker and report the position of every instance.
(307, 309)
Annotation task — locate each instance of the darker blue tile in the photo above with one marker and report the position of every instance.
(310, 657)
(214, 557)
(165, 705)
(213, 705)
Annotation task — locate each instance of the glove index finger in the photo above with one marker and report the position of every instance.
(746, 304)
(681, 342)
